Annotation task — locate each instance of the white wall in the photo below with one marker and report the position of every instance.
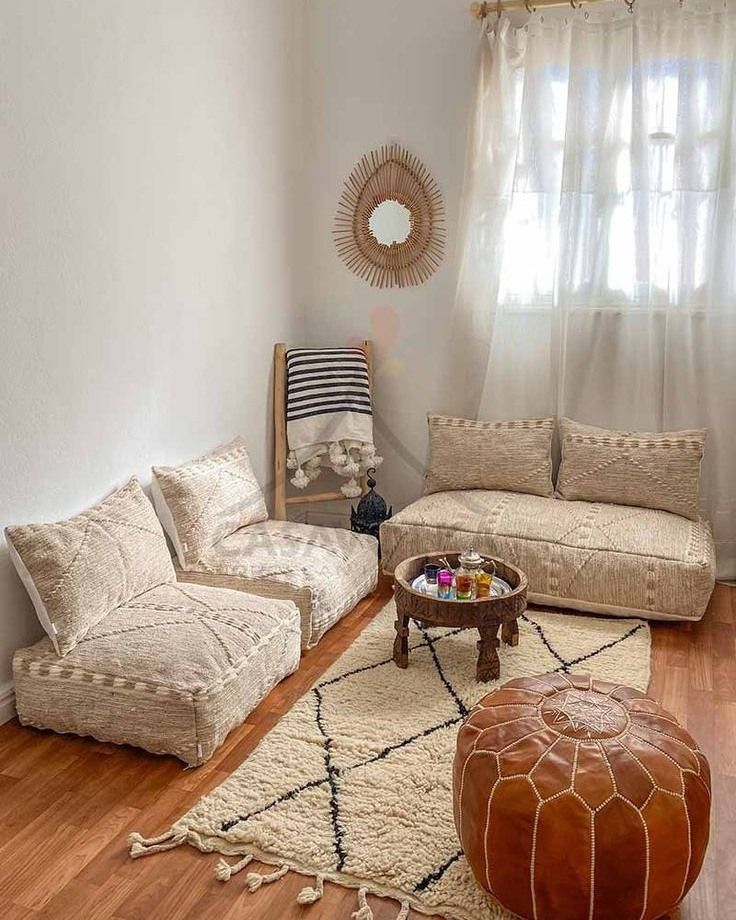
(377, 72)
(154, 245)
(147, 249)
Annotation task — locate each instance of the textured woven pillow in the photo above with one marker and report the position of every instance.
(201, 502)
(513, 456)
(77, 571)
(645, 470)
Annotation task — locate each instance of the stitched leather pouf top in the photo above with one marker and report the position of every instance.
(577, 799)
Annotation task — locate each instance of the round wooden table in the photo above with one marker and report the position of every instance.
(486, 614)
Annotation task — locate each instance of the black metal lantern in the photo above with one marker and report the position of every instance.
(371, 511)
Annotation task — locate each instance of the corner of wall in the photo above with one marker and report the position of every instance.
(7, 702)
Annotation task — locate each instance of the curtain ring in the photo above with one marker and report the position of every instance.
(630, 5)
(575, 6)
(529, 8)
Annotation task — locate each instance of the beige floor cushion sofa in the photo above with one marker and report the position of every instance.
(172, 671)
(214, 512)
(131, 656)
(325, 571)
(643, 550)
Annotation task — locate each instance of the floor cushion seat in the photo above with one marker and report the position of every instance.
(598, 557)
(324, 570)
(171, 671)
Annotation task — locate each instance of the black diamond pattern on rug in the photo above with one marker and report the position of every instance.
(431, 641)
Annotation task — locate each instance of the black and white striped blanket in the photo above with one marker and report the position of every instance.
(320, 381)
(329, 412)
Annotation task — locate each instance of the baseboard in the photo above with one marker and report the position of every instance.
(7, 702)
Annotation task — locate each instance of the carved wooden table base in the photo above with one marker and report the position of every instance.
(489, 664)
(487, 614)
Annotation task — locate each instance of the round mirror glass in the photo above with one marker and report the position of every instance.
(390, 222)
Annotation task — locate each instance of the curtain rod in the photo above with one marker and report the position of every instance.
(481, 10)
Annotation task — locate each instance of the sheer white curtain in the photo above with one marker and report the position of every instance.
(598, 240)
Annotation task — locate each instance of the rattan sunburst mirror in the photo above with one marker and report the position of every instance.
(390, 223)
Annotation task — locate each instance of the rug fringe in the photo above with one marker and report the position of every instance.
(364, 911)
(147, 846)
(309, 895)
(404, 912)
(225, 871)
(254, 880)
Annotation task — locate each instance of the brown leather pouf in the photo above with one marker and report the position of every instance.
(580, 800)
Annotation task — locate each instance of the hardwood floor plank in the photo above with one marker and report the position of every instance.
(725, 752)
(62, 863)
(725, 846)
(79, 900)
(17, 912)
(67, 804)
(722, 608)
(700, 656)
(7, 783)
(33, 794)
(23, 759)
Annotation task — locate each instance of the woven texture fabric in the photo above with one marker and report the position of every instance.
(329, 417)
(172, 671)
(659, 471)
(465, 454)
(355, 781)
(634, 559)
(324, 570)
(209, 498)
(78, 570)
(580, 798)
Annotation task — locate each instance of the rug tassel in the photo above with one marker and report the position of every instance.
(364, 911)
(254, 880)
(147, 846)
(310, 895)
(225, 871)
(404, 912)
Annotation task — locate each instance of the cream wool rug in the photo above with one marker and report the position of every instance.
(354, 784)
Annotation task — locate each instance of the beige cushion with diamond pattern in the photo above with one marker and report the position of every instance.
(597, 557)
(77, 571)
(631, 468)
(324, 570)
(171, 671)
(203, 501)
(466, 454)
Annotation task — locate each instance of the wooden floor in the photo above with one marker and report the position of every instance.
(67, 804)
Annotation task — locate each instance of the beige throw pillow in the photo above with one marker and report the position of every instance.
(201, 502)
(77, 571)
(635, 468)
(514, 456)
